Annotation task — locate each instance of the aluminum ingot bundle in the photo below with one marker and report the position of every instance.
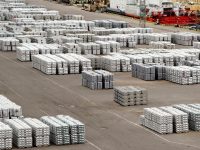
(72, 17)
(193, 115)
(59, 131)
(95, 61)
(71, 48)
(130, 96)
(76, 129)
(40, 132)
(98, 79)
(162, 45)
(5, 136)
(183, 75)
(22, 133)
(184, 38)
(196, 45)
(157, 120)
(90, 48)
(8, 44)
(8, 109)
(180, 119)
(158, 37)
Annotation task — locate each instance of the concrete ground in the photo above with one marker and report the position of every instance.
(109, 126)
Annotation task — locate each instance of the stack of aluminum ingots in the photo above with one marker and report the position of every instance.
(59, 131)
(44, 64)
(157, 120)
(90, 48)
(61, 64)
(192, 63)
(98, 79)
(183, 75)
(23, 39)
(196, 45)
(95, 61)
(26, 51)
(40, 132)
(87, 37)
(71, 48)
(47, 48)
(184, 38)
(39, 40)
(72, 17)
(103, 23)
(162, 45)
(144, 71)
(84, 63)
(5, 136)
(116, 63)
(8, 44)
(76, 129)
(129, 95)
(104, 47)
(180, 119)
(158, 37)
(73, 63)
(193, 115)
(71, 39)
(114, 46)
(22, 133)
(8, 109)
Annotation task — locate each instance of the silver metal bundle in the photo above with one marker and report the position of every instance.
(196, 45)
(71, 39)
(40, 132)
(90, 48)
(8, 44)
(73, 63)
(48, 48)
(22, 133)
(114, 46)
(38, 33)
(157, 120)
(158, 37)
(144, 71)
(61, 64)
(105, 38)
(104, 47)
(95, 61)
(84, 63)
(44, 64)
(9, 109)
(98, 79)
(59, 131)
(193, 115)
(87, 37)
(72, 17)
(24, 39)
(184, 38)
(192, 63)
(103, 23)
(71, 48)
(162, 45)
(76, 129)
(111, 63)
(39, 40)
(5, 136)
(180, 119)
(129, 95)
(183, 75)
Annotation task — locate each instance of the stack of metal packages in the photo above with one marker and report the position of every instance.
(84, 63)
(8, 109)
(104, 47)
(90, 48)
(40, 132)
(71, 48)
(22, 133)
(87, 37)
(5, 136)
(157, 120)
(162, 45)
(8, 44)
(59, 131)
(61, 64)
(44, 64)
(180, 119)
(39, 40)
(192, 63)
(130, 96)
(23, 39)
(98, 79)
(114, 46)
(76, 129)
(95, 61)
(26, 51)
(196, 45)
(184, 38)
(46, 48)
(103, 23)
(193, 115)
(66, 39)
(183, 75)
(144, 71)
(73, 63)
(72, 17)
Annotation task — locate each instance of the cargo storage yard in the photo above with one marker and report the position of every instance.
(75, 79)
